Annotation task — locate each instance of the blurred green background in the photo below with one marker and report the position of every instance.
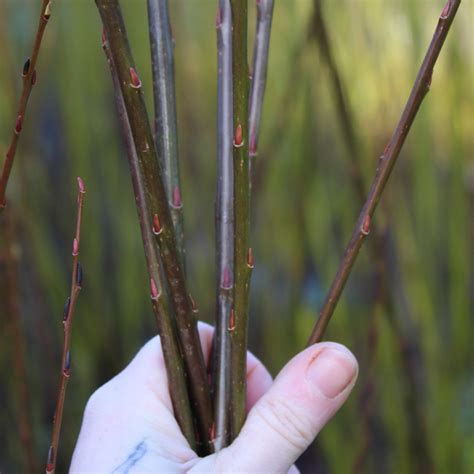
(413, 406)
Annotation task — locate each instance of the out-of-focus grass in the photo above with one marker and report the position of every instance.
(303, 210)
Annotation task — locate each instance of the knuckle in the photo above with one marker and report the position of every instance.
(283, 418)
(99, 402)
(95, 402)
(226, 460)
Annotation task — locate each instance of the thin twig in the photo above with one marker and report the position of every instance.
(259, 70)
(29, 79)
(151, 181)
(224, 225)
(166, 135)
(385, 165)
(68, 315)
(159, 296)
(243, 260)
(382, 246)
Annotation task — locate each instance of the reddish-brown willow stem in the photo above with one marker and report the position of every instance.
(161, 304)
(385, 165)
(224, 226)
(388, 289)
(150, 179)
(68, 315)
(29, 79)
(10, 311)
(243, 260)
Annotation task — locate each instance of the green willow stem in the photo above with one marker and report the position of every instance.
(151, 180)
(162, 306)
(68, 316)
(166, 135)
(385, 165)
(238, 325)
(29, 79)
(224, 226)
(259, 70)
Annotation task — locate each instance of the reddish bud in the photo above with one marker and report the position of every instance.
(153, 290)
(212, 432)
(50, 460)
(47, 12)
(134, 79)
(18, 124)
(79, 275)
(157, 229)
(238, 136)
(253, 144)
(75, 247)
(177, 203)
(446, 10)
(250, 258)
(365, 229)
(80, 183)
(67, 365)
(33, 78)
(232, 320)
(67, 305)
(227, 278)
(26, 68)
(193, 305)
(430, 79)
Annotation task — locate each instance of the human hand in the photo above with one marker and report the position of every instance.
(129, 426)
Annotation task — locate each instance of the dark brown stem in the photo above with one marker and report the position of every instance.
(68, 315)
(151, 181)
(385, 165)
(162, 306)
(238, 326)
(29, 79)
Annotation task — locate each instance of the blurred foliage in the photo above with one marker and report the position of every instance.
(303, 210)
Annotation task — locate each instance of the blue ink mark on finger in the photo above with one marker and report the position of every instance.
(137, 454)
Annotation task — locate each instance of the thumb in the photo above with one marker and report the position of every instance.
(285, 421)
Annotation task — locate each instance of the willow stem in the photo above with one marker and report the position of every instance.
(238, 327)
(259, 70)
(166, 135)
(150, 179)
(224, 225)
(68, 315)
(161, 304)
(29, 79)
(385, 165)
(389, 292)
(10, 309)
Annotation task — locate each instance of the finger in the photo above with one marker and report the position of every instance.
(284, 422)
(259, 380)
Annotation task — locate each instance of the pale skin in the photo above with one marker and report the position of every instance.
(128, 424)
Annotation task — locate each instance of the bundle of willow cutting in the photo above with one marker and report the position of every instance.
(209, 410)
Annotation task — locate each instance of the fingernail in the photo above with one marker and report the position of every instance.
(332, 371)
